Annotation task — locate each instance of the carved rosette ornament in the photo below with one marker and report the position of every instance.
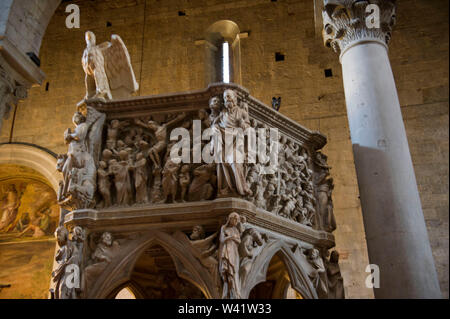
(349, 21)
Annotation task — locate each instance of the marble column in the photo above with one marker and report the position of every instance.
(395, 228)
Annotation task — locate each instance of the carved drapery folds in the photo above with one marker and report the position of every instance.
(348, 21)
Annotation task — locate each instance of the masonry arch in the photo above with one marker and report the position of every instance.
(120, 271)
(33, 157)
(223, 53)
(294, 275)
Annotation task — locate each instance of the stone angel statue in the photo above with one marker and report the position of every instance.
(109, 74)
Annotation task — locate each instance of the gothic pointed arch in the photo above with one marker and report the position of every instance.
(298, 276)
(119, 271)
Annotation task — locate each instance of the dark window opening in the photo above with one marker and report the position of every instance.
(328, 73)
(181, 13)
(47, 86)
(279, 56)
(34, 58)
(108, 24)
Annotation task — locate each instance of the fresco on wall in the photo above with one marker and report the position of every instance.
(28, 218)
(28, 210)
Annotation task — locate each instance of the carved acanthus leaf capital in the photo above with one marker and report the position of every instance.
(349, 21)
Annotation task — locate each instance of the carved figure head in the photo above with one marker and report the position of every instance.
(78, 234)
(107, 239)
(256, 236)
(313, 254)
(102, 164)
(152, 125)
(215, 104)
(230, 99)
(61, 235)
(123, 154)
(106, 155)
(198, 232)
(78, 118)
(233, 219)
(90, 38)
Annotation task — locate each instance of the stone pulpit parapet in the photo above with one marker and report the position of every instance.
(220, 181)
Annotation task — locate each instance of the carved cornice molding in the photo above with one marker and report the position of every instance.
(345, 23)
(185, 215)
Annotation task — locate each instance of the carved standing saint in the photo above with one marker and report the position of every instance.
(230, 238)
(104, 185)
(62, 257)
(317, 276)
(122, 180)
(69, 254)
(335, 280)
(231, 175)
(170, 180)
(185, 179)
(140, 179)
(109, 74)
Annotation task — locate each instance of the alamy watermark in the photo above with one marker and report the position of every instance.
(226, 145)
(73, 19)
(373, 19)
(373, 280)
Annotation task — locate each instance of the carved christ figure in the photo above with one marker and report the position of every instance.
(160, 132)
(108, 69)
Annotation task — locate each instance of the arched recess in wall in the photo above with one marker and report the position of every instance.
(22, 28)
(223, 53)
(34, 158)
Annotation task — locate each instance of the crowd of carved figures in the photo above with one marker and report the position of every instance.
(135, 166)
(228, 254)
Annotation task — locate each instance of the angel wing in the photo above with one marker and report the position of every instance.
(119, 71)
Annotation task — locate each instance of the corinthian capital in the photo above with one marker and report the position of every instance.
(349, 21)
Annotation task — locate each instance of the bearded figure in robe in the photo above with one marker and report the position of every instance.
(228, 146)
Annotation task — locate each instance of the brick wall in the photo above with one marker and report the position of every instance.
(166, 59)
